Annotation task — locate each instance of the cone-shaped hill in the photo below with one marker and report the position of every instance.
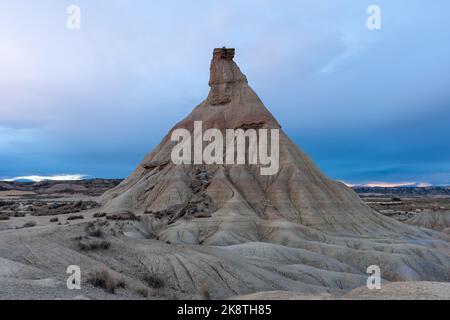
(298, 193)
(297, 217)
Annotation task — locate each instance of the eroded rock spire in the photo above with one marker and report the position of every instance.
(224, 73)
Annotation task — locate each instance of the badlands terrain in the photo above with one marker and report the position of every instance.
(223, 230)
(26, 275)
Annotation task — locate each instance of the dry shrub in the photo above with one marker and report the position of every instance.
(122, 216)
(106, 280)
(93, 231)
(87, 244)
(29, 224)
(75, 217)
(99, 215)
(153, 281)
(142, 291)
(204, 292)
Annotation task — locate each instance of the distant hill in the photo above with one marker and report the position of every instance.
(99, 186)
(92, 187)
(403, 191)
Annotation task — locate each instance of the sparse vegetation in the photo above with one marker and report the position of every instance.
(58, 208)
(102, 223)
(75, 217)
(204, 292)
(29, 224)
(93, 231)
(142, 291)
(99, 215)
(153, 281)
(126, 215)
(106, 280)
(4, 216)
(88, 244)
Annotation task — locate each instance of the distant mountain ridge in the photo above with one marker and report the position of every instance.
(99, 185)
(93, 187)
(410, 191)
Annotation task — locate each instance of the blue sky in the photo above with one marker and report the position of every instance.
(365, 105)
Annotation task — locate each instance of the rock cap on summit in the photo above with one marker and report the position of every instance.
(224, 73)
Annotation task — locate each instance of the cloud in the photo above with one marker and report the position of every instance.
(60, 177)
(380, 184)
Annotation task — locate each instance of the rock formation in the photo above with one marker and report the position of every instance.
(225, 230)
(299, 193)
(319, 227)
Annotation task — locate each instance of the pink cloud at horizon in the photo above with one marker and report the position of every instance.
(381, 184)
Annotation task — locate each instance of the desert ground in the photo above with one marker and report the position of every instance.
(45, 227)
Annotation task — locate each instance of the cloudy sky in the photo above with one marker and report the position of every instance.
(366, 105)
